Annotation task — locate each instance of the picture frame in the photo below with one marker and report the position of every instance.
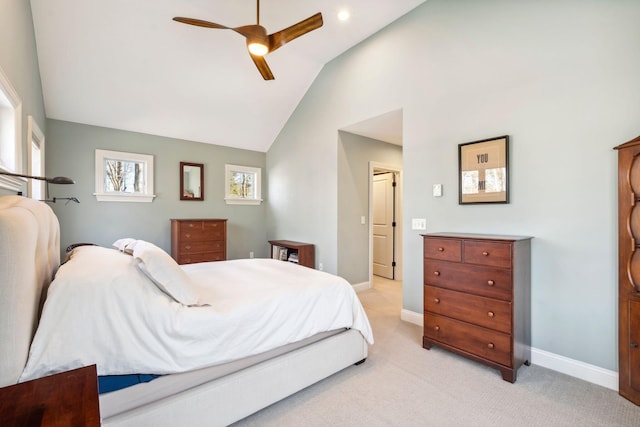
(191, 181)
(483, 171)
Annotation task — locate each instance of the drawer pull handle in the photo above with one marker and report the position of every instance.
(188, 247)
(490, 282)
(436, 328)
(436, 300)
(634, 344)
(436, 273)
(441, 249)
(490, 346)
(187, 235)
(191, 225)
(187, 260)
(491, 314)
(485, 253)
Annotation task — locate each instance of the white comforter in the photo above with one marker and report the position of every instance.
(122, 322)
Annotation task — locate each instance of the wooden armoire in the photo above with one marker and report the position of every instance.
(629, 269)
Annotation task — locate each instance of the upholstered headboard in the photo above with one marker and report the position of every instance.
(29, 258)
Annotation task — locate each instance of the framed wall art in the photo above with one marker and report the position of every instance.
(484, 171)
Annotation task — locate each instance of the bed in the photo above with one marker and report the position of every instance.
(215, 385)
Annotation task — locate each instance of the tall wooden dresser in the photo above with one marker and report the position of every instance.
(477, 298)
(198, 240)
(629, 270)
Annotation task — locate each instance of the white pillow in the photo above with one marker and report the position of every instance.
(165, 272)
(123, 244)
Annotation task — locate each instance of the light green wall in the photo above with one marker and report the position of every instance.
(19, 62)
(354, 155)
(71, 152)
(559, 77)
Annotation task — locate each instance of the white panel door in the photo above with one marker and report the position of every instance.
(383, 230)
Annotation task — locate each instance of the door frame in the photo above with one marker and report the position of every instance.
(384, 167)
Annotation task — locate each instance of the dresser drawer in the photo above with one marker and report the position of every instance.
(197, 247)
(491, 345)
(486, 281)
(488, 312)
(185, 226)
(202, 235)
(487, 253)
(200, 257)
(445, 249)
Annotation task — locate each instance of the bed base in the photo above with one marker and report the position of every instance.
(237, 395)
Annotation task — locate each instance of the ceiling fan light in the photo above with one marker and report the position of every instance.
(258, 48)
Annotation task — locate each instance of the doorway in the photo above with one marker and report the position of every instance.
(371, 145)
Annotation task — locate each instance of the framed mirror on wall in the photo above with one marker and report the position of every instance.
(191, 181)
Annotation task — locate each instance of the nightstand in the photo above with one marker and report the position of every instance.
(67, 399)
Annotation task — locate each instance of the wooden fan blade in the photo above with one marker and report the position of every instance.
(278, 39)
(200, 23)
(252, 31)
(263, 67)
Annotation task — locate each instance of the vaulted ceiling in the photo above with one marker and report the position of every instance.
(127, 65)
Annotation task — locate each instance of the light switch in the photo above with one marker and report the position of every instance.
(437, 190)
(363, 220)
(419, 223)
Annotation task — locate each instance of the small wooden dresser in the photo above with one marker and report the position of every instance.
(303, 253)
(198, 240)
(66, 399)
(477, 298)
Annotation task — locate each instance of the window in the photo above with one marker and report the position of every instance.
(243, 185)
(10, 134)
(124, 177)
(35, 160)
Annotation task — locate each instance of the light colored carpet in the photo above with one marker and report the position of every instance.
(402, 384)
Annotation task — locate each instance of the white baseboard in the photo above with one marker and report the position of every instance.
(412, 317)
(359, 287)
(575, 368)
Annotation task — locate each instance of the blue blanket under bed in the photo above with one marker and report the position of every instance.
(110, 383)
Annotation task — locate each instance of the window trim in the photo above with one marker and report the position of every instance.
(104, 196)
(257, 172)
(34, 133)
(8, 182)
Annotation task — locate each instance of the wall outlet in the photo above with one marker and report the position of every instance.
(419, 223)
(320, 267)
(363, 220)
(251, 254)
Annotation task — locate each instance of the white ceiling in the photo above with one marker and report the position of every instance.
(127, 65)
(385, 127)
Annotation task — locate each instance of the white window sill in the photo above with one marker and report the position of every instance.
(12, 183)
(123, 197)
(243, 201)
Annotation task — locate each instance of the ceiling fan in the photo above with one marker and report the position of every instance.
(258, 42)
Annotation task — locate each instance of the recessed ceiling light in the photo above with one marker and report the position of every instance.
(343, 15)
